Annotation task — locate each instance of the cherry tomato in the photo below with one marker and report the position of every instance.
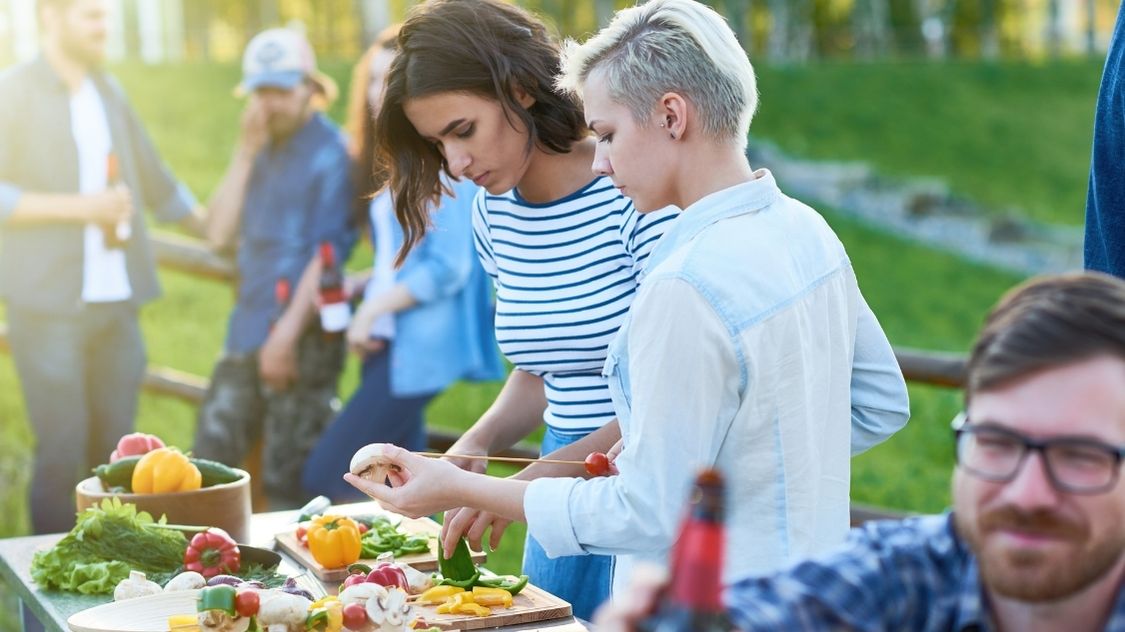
(246, 603)
(362, 528)
(355, 617)
(597, 464)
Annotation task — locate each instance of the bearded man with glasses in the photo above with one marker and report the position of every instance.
(1036, 537)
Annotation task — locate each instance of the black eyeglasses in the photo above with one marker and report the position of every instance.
(1074, 464)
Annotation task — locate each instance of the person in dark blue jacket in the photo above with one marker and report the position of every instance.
(421, 326)
(1105, 202)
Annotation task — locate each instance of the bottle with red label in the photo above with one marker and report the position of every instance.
(335, 312)
(694, 600)
(115, 235)
(281, 293)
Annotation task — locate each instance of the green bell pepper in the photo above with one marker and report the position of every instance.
(217, 598)
(510, 583)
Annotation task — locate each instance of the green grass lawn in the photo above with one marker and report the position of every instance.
(1007, 135)
(985, 129)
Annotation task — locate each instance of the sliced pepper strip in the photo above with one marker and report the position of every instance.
(462, 583)
(510, 583)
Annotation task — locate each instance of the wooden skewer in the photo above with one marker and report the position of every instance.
(503, 459)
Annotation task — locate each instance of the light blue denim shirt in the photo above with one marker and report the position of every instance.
(749, 348)
(449, 335)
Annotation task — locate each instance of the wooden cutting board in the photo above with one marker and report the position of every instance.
(531, 605)
(287, 541)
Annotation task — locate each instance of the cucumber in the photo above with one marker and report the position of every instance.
(118, 474)
(214, 473)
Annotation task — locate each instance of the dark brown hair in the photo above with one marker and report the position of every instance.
(1048, 322)
(370, 174)
(486, 48)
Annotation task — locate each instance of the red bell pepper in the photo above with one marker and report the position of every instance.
(386, 574)
(211, 553)
(135, 444)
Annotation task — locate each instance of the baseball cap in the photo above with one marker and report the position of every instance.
(280, 58)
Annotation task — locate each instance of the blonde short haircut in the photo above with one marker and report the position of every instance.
(665, 46)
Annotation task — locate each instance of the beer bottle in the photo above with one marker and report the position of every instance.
(694, 599)
(115, 235)
(281, 295)
(334, 309)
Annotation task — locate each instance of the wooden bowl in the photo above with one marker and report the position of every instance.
(226, 506)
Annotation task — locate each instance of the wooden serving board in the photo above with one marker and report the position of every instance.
(531, 605)
(287, 541)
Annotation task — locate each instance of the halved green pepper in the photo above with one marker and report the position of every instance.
(510, 583)
(217, 598)
(467, 584)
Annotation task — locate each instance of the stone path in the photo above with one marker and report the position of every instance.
(926, 211)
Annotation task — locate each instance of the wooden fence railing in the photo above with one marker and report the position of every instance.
(192, 257)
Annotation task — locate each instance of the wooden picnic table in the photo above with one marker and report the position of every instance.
(54, 607)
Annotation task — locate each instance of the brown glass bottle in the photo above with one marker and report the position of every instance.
(694, 599)
(115, 235)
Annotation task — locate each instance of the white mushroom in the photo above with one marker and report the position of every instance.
(187, 580)
(219, 621)
(283, 612)
(390, 613)
(419, 582)
(361, 593)
(135, 585)
(368, 462)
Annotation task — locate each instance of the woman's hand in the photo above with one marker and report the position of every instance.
(471, 523)
(359, 337)
(613, 453)
(419, 486)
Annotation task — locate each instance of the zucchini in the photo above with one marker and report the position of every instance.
(118, 474)
(214, 473)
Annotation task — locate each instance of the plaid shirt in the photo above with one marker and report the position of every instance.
(915, 574)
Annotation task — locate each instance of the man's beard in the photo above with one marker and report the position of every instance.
(91, 56)
(1035, 576)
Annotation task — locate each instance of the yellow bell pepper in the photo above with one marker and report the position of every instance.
(463, 603)
(183, 623)
(438, 594)
(492, 596)
(334, 541)
(165, 470)
(333, 619)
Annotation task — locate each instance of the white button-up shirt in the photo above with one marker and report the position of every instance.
(748, 348)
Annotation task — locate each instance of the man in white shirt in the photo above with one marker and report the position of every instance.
(75, 265)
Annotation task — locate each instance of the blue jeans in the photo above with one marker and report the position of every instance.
(372, 415)
(582, 580)
(80, 376)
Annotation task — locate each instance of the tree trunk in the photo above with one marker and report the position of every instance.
(990, 36)
(736, 11)
(375, 16)
(603, 11)
(779, 30)
(1054, 29)
(1091, 28)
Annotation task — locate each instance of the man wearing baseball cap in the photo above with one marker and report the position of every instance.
(287, 189)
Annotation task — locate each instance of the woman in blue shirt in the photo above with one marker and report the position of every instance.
(420, 327)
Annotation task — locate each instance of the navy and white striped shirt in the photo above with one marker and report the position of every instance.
(565, 272)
